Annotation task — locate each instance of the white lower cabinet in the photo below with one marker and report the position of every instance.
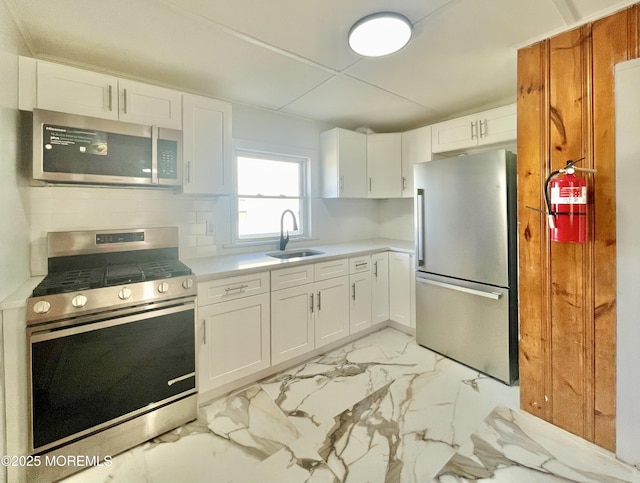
(360, 302)
(400, 296)
(379, 288)
(309, 315)
(248, 323)
(234, 340)
(360, 293)
(292, 322)
(332, 310)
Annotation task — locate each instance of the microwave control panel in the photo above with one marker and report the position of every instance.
(167, 159)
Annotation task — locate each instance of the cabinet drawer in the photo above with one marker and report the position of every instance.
(331, 269)
(232, 288)
(290, 277)
(359, 264)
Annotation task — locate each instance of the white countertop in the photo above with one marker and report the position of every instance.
(228, 265)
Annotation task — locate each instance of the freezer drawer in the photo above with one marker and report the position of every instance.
(469, 322)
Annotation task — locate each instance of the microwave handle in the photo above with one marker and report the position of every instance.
(154, 154)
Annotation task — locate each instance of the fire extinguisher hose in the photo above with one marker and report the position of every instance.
(546, 192)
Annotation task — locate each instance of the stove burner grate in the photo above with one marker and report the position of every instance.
(69, 281)
(164, 269)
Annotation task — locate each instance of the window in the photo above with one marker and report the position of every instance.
(268, 184)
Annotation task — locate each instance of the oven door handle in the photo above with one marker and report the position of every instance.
(171, 382)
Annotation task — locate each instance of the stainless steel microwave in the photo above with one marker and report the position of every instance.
(77, 149)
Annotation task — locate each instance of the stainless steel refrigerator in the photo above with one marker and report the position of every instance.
(466, 260)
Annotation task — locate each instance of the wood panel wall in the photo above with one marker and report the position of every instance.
(567, 292)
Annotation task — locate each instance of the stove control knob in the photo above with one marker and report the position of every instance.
(41, 307)
(79, 301)
(124, 294)
(188, 283)
(163, 287)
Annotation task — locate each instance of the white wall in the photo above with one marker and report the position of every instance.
(396, 218)
(628, 261)
(14, 229)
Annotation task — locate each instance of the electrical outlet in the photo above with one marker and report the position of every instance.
(211, 228)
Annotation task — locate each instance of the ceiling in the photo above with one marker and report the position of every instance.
(292, 55)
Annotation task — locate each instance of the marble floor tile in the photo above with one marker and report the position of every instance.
(515, 446)
(380, 409)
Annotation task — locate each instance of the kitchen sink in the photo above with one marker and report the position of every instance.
(294, 254)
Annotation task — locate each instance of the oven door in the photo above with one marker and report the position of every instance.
(97, 373)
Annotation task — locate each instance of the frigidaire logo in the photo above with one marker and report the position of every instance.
(58, 129)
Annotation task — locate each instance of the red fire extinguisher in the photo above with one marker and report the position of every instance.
(566, 198)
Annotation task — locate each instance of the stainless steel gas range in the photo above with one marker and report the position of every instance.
(111, 344)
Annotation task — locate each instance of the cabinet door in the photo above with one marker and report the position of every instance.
(292, 324)
(497, 125)
(380, 288)
(384, 159)
(234, 340)
(331, 310)
(360, 302)
(150, 105)
(416, 148)
(400, 274)
(207, 150)
(455, 134)
(343, 157)
(76, 91)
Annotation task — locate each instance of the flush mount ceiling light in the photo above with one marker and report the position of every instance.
(380, 34)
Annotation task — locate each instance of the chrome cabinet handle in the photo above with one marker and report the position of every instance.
(341, 183)
(483, 132)
(204, 332)
(375, 271)
(404, 183)
(188, 171)
(472, 132)
(239, 287)
(110, 97)
(124, 108)
(369, 185)
(311, 303)
(361, 264)
(353, 287)
(319, 301)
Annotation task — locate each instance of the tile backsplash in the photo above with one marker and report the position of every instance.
(65, 208)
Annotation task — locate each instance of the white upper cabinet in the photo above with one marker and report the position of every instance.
(485, 128)
(77, 91)
(207, 146)
(145, 104)
(384, 161)
(343, 156)
(416, 148)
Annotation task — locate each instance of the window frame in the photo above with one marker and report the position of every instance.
(274, 153)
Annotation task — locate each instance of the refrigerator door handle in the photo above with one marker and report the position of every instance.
(420, 227)
(480, 293)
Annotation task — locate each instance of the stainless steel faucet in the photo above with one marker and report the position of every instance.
(285, 239)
